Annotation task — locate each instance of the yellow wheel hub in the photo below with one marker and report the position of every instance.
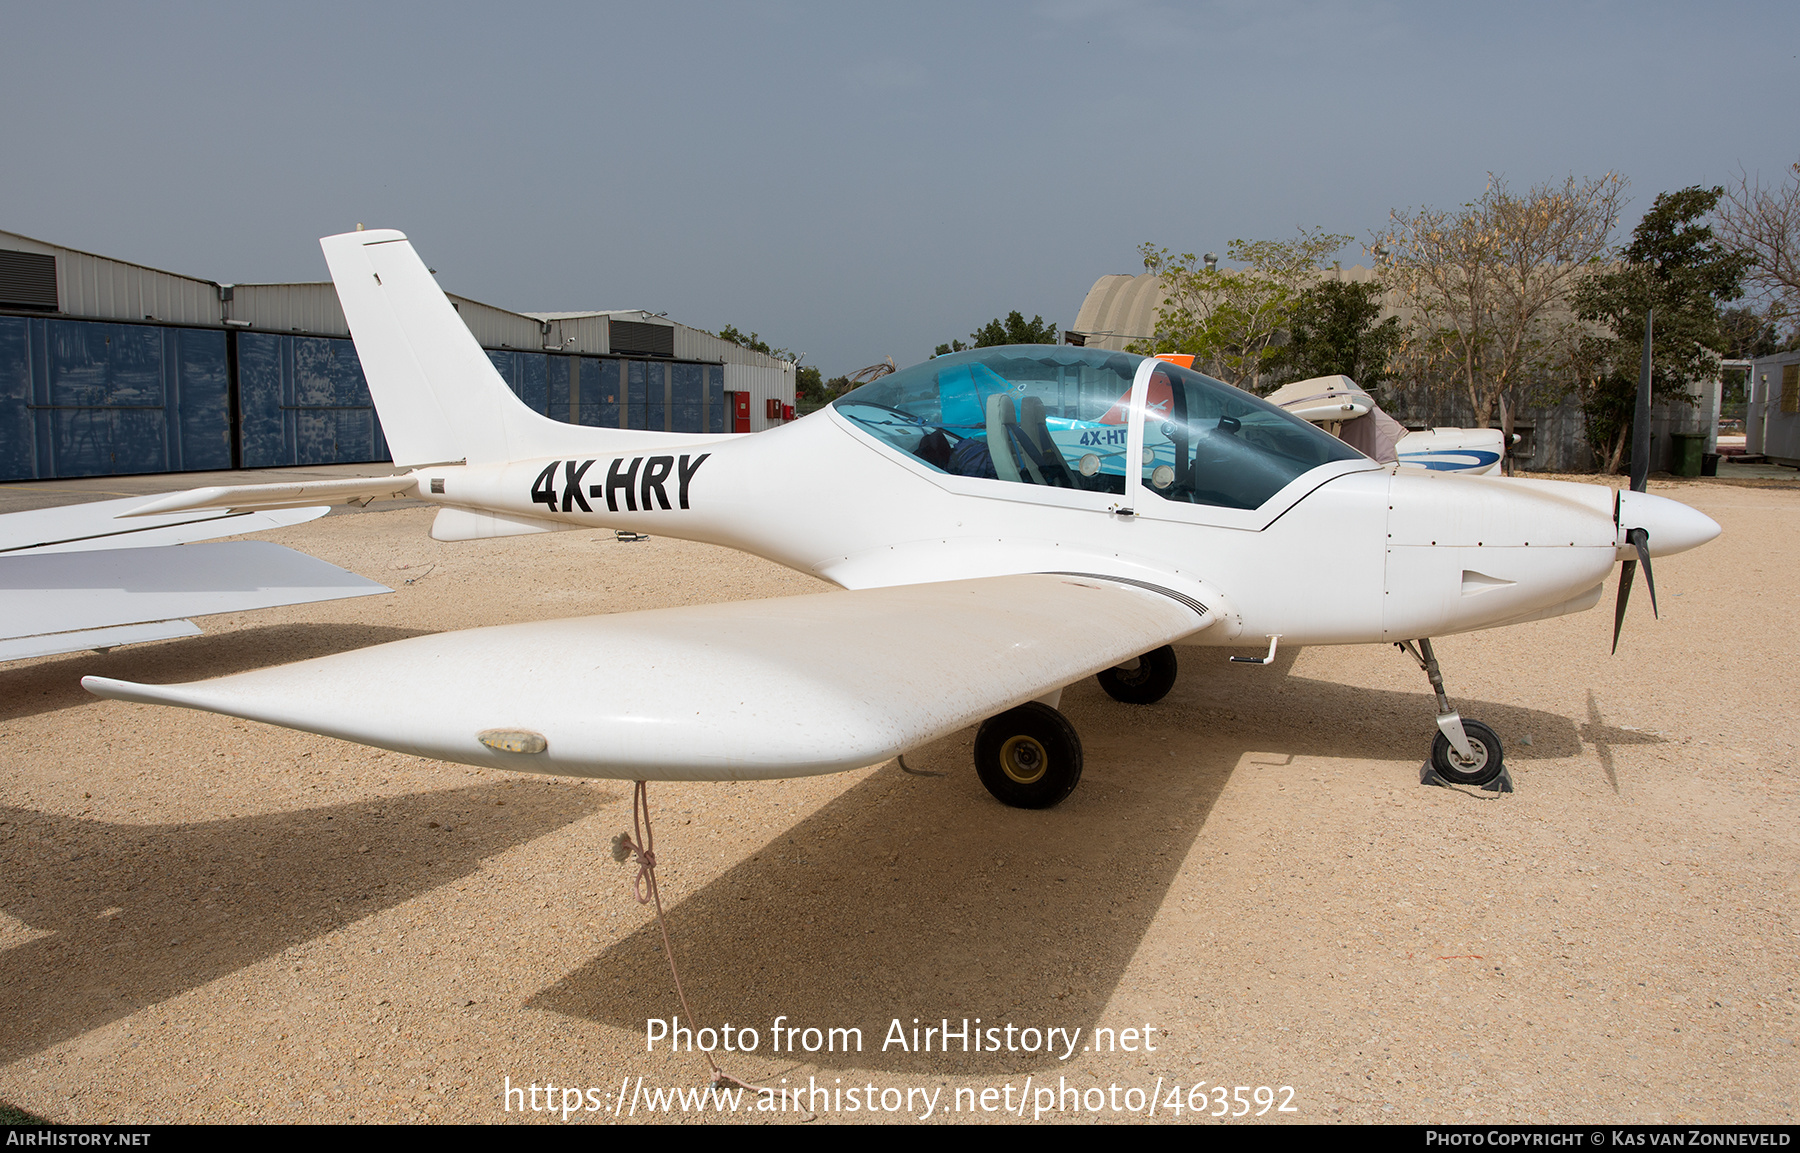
(1024, 759)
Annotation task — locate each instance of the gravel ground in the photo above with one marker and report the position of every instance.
(204, 919)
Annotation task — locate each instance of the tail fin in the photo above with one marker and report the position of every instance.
(438, 395)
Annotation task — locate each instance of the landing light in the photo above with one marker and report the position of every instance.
(513, 740)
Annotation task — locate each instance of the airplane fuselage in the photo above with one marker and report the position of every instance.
(1365, 554)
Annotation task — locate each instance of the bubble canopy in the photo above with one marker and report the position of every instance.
(1060, 416)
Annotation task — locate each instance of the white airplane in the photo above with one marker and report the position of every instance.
(985, 561)
(1346, 410)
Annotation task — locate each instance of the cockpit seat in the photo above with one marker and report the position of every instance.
(1002, 423)
(1034, 433)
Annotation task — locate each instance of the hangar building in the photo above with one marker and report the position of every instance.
(111, 367)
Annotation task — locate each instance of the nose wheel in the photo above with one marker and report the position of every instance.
(1028, 757)
(1463, 752)
(1480, 767)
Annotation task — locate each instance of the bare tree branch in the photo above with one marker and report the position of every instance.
(1764, 224)
(1489, 283)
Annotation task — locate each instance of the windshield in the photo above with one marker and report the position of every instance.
(1058, 416)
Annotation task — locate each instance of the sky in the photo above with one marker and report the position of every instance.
(850, 181)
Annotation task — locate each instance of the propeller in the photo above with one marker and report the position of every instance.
(1638, 538)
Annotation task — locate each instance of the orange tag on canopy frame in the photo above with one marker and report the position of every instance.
(1159, 401)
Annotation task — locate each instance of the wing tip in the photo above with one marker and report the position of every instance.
(132, 691)
(103, 686)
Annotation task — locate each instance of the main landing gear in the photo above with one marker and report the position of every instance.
(1464, 752)
(1030, 757)
(1143, 682)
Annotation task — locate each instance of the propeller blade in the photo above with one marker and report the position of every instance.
(1640, 538)
(1640, 425)
(1627, 573)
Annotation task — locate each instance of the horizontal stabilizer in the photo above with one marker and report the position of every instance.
(353, 490)
(44, 595)
(747, 690)
(116, 524)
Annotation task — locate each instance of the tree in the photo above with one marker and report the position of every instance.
(1336, 327)
(752, 342)
(1749, 334)
(1231, 320)
(755, 343)
(1489, 283)
(1676, 266)
(812, 392)
(1763, 224)
(809, 388)
(1015, 329)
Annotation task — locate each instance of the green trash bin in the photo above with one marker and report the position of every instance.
(1689, 448)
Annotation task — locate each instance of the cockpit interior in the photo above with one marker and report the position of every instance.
(1060, 416)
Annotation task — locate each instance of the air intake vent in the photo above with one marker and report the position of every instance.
(629, 336)
(27, 280)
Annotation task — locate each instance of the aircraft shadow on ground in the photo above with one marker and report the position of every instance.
(141, 913)
(923, 897)
(43, 688)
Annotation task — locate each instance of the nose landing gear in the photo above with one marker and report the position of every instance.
(1464, 752)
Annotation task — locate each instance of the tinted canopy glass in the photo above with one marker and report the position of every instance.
(1058, 416)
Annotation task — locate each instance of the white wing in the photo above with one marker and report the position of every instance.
(753, 689)
(62, 602)
(106, 573)
(112, 524)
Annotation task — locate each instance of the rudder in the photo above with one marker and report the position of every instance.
(438, 395)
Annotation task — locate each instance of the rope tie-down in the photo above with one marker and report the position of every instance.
(641, 843)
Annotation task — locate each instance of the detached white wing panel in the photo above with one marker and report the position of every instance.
(49, 644)
(754, 689)
(64, 601)
(117, 524)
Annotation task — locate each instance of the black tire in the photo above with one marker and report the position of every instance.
(1145, 685)
(1487, 750)
(1028, 757)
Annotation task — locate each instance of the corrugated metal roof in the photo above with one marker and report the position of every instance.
(1119, 309)
(690, 343)
(628, 313)
(311, 308)
(101, 288)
